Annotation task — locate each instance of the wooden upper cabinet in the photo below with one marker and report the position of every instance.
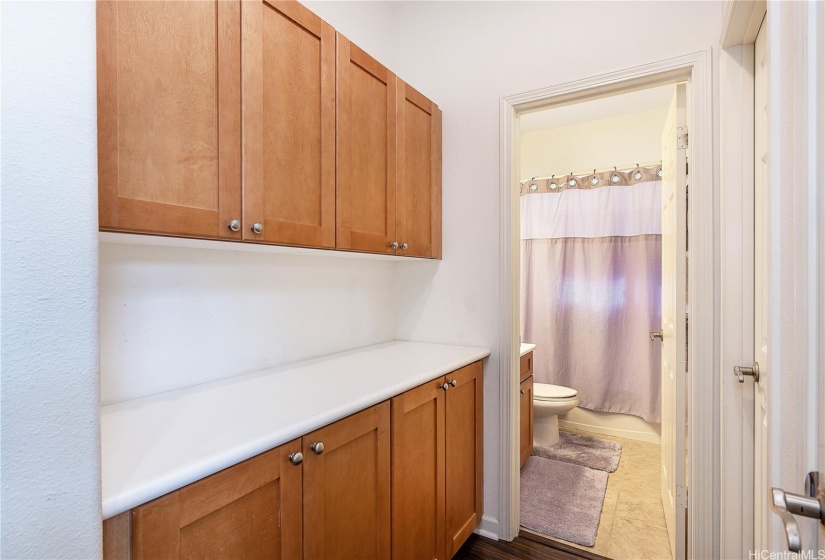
(288, 124)
(464, 455)
(347, 488)
(251, 510)
(366, 172)
(418, 530)
(169, 117)
(419, 174)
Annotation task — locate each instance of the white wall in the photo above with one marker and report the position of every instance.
(50, 453)
(175, 317)
(620, 141)
(465, 56)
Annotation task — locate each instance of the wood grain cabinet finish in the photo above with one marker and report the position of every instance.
(464, 454)
(366, 172)
(418, 466)
(250, 510)
(288, 124)
(347, 488)
(526, 419)
(418, 205)
(169, 117)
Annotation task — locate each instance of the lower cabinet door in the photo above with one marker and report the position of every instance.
(347, 488)
(250, 510)
(418, 531)
(526, 419)
(464, 455)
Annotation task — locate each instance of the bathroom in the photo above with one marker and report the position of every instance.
(592, 284)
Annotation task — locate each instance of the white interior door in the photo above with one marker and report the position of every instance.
(674, 321)
(761, 474)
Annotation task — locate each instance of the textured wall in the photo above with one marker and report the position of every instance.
(50, 457)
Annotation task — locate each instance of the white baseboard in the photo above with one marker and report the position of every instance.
(649, 437)
(488, 527)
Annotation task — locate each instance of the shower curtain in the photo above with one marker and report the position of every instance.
(591, 289)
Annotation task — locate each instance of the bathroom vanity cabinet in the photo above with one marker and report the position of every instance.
(255, 121)
(526, 406)
(333, 492)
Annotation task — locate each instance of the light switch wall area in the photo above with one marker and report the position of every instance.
(173, 317)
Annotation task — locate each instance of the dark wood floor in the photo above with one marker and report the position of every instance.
(525, 547)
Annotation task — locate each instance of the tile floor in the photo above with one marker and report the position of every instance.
(632, 524)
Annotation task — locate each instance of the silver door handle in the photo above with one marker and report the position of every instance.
(786, 505)
(655, 335)
(742, 371)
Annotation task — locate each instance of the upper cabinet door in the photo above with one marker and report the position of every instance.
(289, 125)
(169, 117)
(366, 151)
(419, 174)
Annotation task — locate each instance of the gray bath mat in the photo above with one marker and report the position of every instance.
(586, 451)
(562, 500)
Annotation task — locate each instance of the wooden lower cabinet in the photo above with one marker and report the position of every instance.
(354, 496)
(437, 465)
(526, 419)
(347, 487)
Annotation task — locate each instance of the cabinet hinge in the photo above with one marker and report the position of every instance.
(681, 496)
(682, 137)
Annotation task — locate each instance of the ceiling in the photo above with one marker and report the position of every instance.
(605, 108)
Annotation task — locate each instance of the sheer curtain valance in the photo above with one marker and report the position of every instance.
(591, 293)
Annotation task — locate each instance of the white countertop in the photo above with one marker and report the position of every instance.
(526, 348)
(157, 444)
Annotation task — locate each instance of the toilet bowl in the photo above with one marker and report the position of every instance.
(548, 402)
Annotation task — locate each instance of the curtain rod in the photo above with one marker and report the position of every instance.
(603, 170)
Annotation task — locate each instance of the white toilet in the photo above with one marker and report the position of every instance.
(548, 402)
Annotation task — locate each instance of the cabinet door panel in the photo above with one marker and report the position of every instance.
(419, 173)
(526, 419)
(418, 530)
(366, 151)
(347, 488)
(250, 510)
(169, 108)
(464, 417)
(289, 124)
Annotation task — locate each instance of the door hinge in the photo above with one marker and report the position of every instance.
(682, 137)
(681, 496)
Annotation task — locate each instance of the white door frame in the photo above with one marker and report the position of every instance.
(703, 281)
(797, 136)
(741, 22)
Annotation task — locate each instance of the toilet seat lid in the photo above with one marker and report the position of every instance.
(545, 391)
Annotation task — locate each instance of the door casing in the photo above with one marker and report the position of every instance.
(703, 411)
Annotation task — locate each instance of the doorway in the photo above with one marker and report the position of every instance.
(694, 71)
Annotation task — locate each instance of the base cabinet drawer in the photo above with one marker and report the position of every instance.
(401, 479)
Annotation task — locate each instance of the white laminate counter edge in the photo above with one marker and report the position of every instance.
(151, 446)
(526, 348)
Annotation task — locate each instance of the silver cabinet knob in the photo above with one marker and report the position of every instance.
(522, 391)
(296, 458)
(394, 245)
(317, 447)
(444, 386)
(453, 383)
(257, 227)
(655, 335)
(404, 246)
(742, 371)
(234, 225)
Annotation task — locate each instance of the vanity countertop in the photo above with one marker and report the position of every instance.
(526, 348)
(154, 445)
